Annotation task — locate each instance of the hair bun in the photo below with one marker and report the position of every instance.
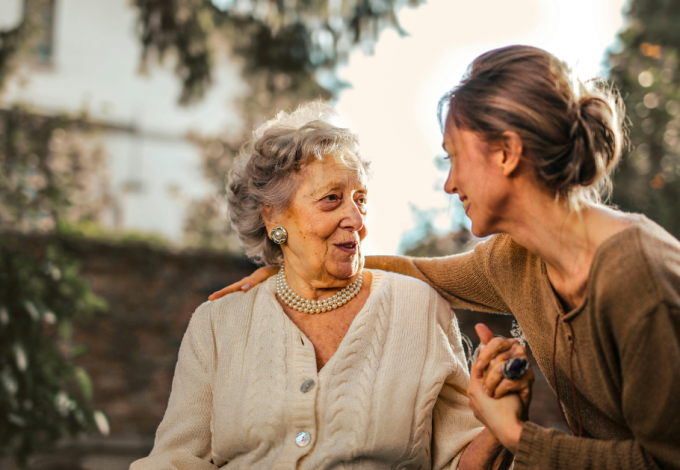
(595, 146)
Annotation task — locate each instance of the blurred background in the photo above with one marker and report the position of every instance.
(119, 120)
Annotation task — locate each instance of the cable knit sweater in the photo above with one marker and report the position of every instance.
(392, 396)
(622, 345)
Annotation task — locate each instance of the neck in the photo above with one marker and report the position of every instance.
(319, 287)
(565, 240)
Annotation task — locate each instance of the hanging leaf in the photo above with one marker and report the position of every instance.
(102, 422)
(20, 357)
(31, 310)
(84, 381)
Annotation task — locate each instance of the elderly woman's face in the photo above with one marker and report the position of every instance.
(326, 223)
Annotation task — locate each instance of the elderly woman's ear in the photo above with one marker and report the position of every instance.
(266, 216)
(276, 232)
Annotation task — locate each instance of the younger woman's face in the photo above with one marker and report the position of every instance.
(477, 178)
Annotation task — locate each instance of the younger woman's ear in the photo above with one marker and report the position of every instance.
(512, 152)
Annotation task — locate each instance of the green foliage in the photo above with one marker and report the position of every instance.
(49, 171)
(94, 230)
(284, 47)
(51, 177)
(289, 41)
(17, 42)
(646, 72)
(42, 393)
(11, 42)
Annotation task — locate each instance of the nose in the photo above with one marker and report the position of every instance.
(353, 218)
(449, 185)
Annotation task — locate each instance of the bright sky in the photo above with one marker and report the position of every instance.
(393, 100)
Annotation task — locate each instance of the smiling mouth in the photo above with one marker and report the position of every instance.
(466, 204)
(349, 247)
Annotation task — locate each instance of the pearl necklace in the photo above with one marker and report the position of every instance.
(300, 304)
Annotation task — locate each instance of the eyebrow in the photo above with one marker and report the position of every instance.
(334, 185)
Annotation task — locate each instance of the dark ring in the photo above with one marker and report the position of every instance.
(515, 368)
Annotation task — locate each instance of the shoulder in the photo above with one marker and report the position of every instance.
(662, 253)
(413, 295)
(232, 311)
(504, 258)
(394, 281)
(638, 267)
(504, 251)
(408, 289)
(201, 315)
(511, 269)
(235, 301)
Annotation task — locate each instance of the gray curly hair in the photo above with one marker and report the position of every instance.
(262, 175)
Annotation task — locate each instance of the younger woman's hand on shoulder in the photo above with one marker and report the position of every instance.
(247, 283)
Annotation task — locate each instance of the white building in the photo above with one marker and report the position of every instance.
(89, 59)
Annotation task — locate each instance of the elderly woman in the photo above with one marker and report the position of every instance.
(325, 365)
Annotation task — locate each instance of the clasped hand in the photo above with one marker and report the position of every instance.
(501, 404)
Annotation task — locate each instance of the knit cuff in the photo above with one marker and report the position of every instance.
(528, 447)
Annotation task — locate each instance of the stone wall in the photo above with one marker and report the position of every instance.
(132, 348)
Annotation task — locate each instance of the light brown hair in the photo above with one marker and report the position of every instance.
(572, 132)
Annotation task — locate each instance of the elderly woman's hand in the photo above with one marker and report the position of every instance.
(501, 416)
(492, 357)
(501, 404)
(247, 283)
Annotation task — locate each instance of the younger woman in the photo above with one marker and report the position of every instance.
(596, 291)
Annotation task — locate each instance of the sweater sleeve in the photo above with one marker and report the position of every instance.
(461, 279)
(183, 439)
(454, 425)
(650, 359)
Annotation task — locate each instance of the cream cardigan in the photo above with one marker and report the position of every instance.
(392, 396)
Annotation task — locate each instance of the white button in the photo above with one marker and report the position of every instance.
(303, 438)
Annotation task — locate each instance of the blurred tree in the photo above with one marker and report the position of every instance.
(289, 53)
(425, 240)
(287, 40)
(646, 72)
(443, 244)
(21, 41)
(51, 177)
(206, 225)
(51, 173)
(43, 395)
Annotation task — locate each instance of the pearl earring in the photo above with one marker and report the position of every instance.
(279, 235)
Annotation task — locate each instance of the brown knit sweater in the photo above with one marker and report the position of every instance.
(625, 358)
